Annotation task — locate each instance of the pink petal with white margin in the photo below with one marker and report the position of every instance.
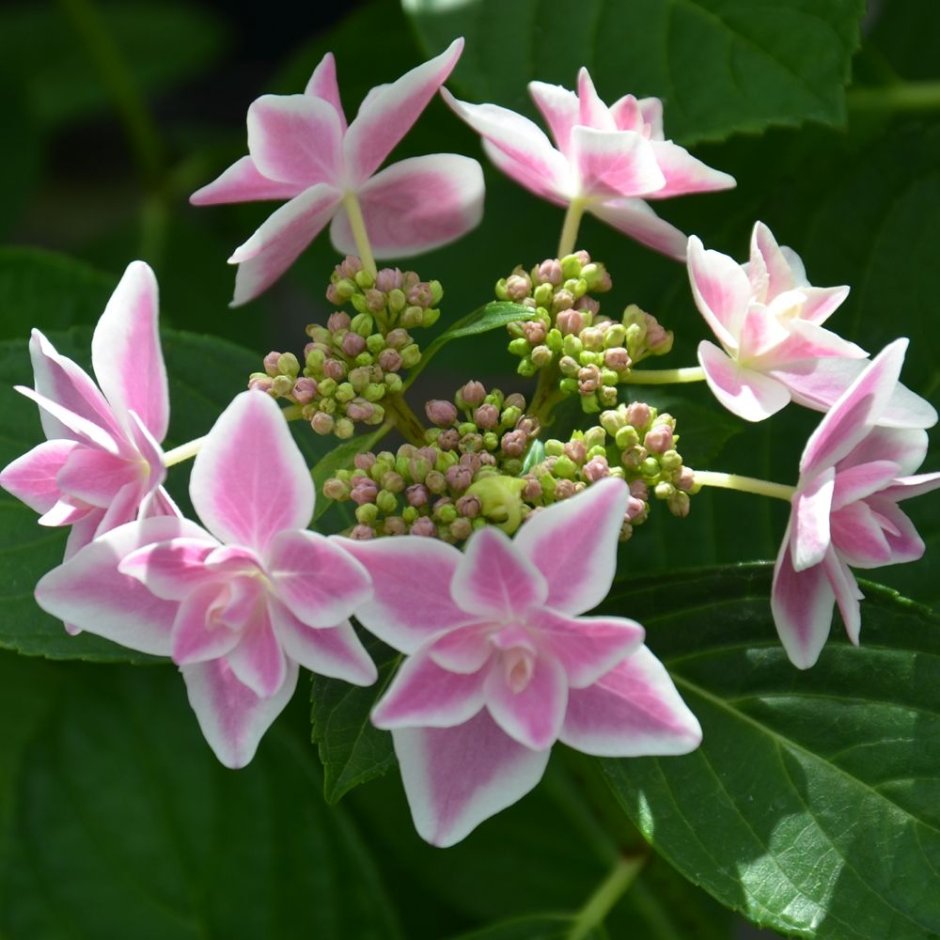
(172, 569)
(534, 714)
(856, 410)
(900, 533)
(628, 116)
(684, 173)
(249, 480)
(126, 353)
(593, 111)
(635, 218)
(403, 569)
(315, 578)
(633, 711)
(416, 205)
(388, 114)
(845, 588)
(614, 164)
(801, 603)
(495, 578)
(780, 274)
(89, 591)
(74, 426)
(529, 177)
(67, 511)
(821, 303)
(198, 634)
(760, 334)
(907, 487)
(232, 718)
(323, 84)
(95, 477)
(295, 138)
(457, 777)
(809, 340)
(811, 507)
(424, 694)
(857, 535)
(906, 448)
(721, 291)
(158, 502)
(587, 647)
(258, 660)
(573, 543)
(242, 182)
(561, 110)
(861, 480)
(32, 477)
(328, 651)
(277, 244)
(463, 650)
(745, 392)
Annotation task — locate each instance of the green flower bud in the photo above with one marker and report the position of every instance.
(359, 304)
(327, 388)
(565, 468)
(411, 317)
(500, 500)
(650, 467)
(396, 301)
(500, 289)
(282, 385)
(344, 429)
(572, 346)
(446, 514)
(287, 364)
(409, 514)
(544, 294)
(430, 317)
(345, 288)
(541, 356)
(363, 359)
(490, 440)
(410, 356)
(526, 368)
(367, 513)
(374, 391)
(568, 386)
(519, 347)
(570, 267)
(386, 502)
(363, 324)
(671, 460)
(375, 343)
(393, 382)
(364, 279)
(344, 392)
(437, 292)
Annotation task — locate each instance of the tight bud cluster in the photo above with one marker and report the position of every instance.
(354, 361)
(592, 353)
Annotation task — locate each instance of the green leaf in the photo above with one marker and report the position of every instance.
(128, 827)
(721, 66)
(812, 804)
(352, 750)
(537, 927)
(490, 316)
(38, 41)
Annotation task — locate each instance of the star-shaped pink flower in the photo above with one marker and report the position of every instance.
(501, 663)
(102, 465)
(300, 149)
(610, 159)
(237, 605)
(774, 348)
(853, 474)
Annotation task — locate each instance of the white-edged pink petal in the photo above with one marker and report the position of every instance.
(587, 647)
(126, 353)
(89, 592)
(403, 569)
(158, 502)
(721, 291)
(561, 110)
(614, 164)
(821, 302)
(388, 113)
(455, 778)
(122, 508)
(258, 660)
(861, 480)
(172, 569)
(635, 218)
(627, 115)
(532, 715)
(249, 480)
(652, 111)
(416, 205)
(94, 477)
(74, 426)
(749, 394)
(199, 634)
(32, 477)
(781, 276)
(573, 544)
(856, 410)
(857, 534)
(633, 711)
(593, 111)
(847, 594)
(760, 334)
(530, 175)
(812, 503)
(426, 695)
(464, 649)
(801, 602)
(903, 539)
(323, 84)
(907, 487)
(68, 511)
(809, 340)
(277, 244)
(319, 582)
(495, 579)
(296, 139)
(684, 173)
(333, 651)
(243, 182)
(232, 718)
(904, 447)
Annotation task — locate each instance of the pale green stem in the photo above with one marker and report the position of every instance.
(903, 96)
(611, 889)
(664, 376)
(731, 481)
(358, 225)
(569, 230)
(399, 413)
(184, 452)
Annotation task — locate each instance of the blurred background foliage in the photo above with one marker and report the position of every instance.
(114, 112)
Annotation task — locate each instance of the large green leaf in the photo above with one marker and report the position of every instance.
(537, 927)
(127, 826)
(721, 65)
(812, 804)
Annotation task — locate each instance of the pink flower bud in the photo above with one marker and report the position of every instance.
(359, 410)
(459, 477)
(685, 479)
(338, 321)
(440, 412)
(589, 380)
(533, 490)
(390, 360)
(424, 526)
(352, 344)
(588, 305)
(375, 300)
(261, 383)
(576, 451)
(564, 489)
(595, 469)
(549, 272)
(658, 439)
(417, 495)
(583, 257)
(364, 490)
(518, 286)
(639, 490)
(638, 414)
(486, 417)
(362, 532)
(420, 295)
(460, 529)
(349, 267)
(322, 423)
(472, 393)
(570, 322)
(514, 443)
(364, 461)
(334, 369)
(636, 509)
(617, 359)
(469, 506)
(449, 439)
(270, 363)
(388, 279)
(534, 331)
(305, 390)
(395, 525)
(398, 338)
(563, 300)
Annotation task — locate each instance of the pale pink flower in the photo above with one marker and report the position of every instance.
(237, 605)
(300, 149)
(102, 465)
(610, 159)
(853, 473)
(774, 348)
(501, 664)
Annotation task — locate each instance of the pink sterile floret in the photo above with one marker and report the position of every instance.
(300, 149)
(609, 159)
(853, 474)
(501, 664)
(774, 348)
(238, 604)
(102, 465)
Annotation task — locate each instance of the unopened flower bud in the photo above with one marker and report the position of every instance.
(260, 382)
(361, 532)
(639, 414)
(394, 525)
(388, 279)
(423, 526)
(595, 469)
(304, 391)
(486, 417)
(549, 272)
(658, 439)
(471, 395)
(440, 412)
